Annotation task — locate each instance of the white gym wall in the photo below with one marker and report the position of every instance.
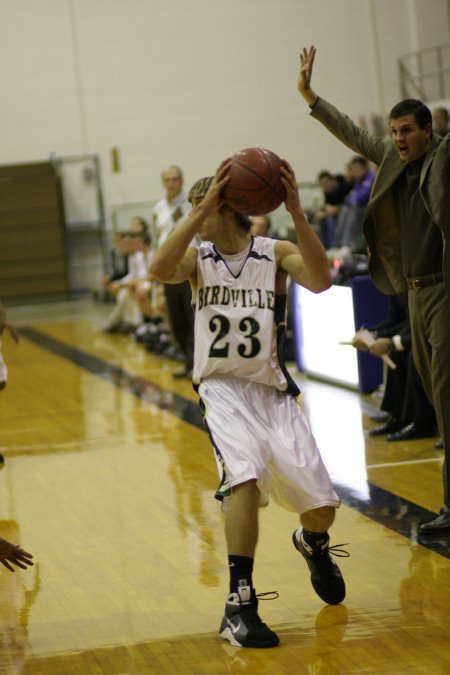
(191, 81)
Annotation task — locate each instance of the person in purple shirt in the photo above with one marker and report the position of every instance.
(363, 178)
(349, 225)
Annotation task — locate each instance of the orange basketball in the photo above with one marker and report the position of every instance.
(255, 186)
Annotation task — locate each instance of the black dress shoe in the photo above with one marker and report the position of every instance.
(439, 524)
(380, 416)
(410, 432)
(388, 427)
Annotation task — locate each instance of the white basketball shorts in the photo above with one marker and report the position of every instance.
(259, 432)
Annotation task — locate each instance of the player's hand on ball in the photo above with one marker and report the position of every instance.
(292, 201)
(10, 553)
(213, 198)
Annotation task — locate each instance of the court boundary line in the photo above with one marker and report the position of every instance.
(407, 462)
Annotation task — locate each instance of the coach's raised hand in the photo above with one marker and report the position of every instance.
(307, 57)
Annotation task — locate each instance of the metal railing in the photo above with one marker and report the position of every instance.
(426, 74)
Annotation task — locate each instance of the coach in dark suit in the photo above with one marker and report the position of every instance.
(406, 226)
(411, 415)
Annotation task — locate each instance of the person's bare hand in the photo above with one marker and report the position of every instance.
(331, 209)
(307, 57)
(380, 347)
(10, 554)
(359, 344)
(213, 197)
(292, 200)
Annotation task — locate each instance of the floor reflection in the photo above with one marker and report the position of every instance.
(198, 513)
(142, 588)
(424, 594)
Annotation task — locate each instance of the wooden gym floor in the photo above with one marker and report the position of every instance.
(109, 481)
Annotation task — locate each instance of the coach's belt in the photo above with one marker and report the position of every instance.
(428, 280)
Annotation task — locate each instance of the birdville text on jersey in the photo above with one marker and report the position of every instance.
(242, 297)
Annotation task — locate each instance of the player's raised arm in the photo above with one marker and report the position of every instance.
(307, 262)
(307, 57)
(174, 262)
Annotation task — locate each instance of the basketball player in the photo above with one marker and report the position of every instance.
(167, 213)
(261, 438)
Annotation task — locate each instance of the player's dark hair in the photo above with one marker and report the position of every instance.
(200, 188)
(412, 106)
(324, 174)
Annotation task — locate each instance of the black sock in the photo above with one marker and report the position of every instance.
(241, 570)
(315, 538)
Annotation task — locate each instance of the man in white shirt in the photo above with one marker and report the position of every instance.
(168, 213)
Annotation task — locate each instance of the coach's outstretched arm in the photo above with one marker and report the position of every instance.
(341, 126)
(307, 57)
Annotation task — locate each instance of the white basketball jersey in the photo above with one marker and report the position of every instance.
(239, 321)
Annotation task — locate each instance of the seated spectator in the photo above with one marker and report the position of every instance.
(260, 226)
(335, 188)
(348, 233)
(149, 296)
(120, 261)
(410, 414)
(126, 315)
(441, 121)
(141, 289)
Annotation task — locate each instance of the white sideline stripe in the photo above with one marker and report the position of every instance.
(411, 461)
(20, 431)
(9, 449)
